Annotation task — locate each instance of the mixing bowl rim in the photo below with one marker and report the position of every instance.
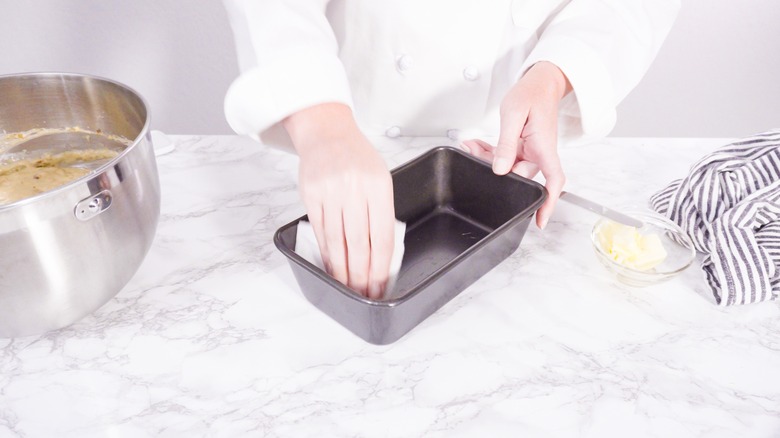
(143, 132)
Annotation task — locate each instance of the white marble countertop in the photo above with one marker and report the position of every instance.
(212, 336)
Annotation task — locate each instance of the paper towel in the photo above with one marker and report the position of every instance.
(306, 246)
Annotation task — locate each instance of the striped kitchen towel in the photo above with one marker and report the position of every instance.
(729, 205)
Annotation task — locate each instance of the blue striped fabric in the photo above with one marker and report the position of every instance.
(729, 205)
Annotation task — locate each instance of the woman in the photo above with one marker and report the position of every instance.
(320, 75)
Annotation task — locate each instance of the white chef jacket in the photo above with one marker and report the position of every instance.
(436, 67)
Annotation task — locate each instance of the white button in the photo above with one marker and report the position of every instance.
(403, 63)
(393, 132)
(453, 134)
(471, 73)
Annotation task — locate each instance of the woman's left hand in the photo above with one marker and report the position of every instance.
(528, 140)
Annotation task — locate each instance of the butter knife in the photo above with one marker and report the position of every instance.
(601, 210)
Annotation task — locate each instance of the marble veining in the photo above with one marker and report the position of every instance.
(212, 337)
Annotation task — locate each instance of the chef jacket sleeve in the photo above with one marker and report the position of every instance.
(604, 47)
(288, 57)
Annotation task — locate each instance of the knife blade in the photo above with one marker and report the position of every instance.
(601, 210)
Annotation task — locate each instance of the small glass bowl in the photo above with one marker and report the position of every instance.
(678, 246)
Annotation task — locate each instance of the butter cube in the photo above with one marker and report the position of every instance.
(628, 247)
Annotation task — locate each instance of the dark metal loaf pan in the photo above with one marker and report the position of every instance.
(462, 220)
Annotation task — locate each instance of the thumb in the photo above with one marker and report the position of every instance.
(508, 141)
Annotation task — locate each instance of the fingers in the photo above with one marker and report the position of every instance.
(485, 151)
(512, 123)
(314, 212)
(333, 227)
(554, 182)
(358, 246)
(357, 240)
(526, 169)
(479, 149)
(381, 212)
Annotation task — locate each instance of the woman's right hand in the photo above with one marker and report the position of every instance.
(348, 194)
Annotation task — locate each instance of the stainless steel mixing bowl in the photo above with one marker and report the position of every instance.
(66, 252)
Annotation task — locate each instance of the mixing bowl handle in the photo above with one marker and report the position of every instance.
(92, 206)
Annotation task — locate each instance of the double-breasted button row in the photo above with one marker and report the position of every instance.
(404, 63)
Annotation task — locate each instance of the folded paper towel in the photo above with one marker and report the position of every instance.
(306, 246)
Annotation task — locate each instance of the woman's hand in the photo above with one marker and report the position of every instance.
(348, 194)
(528, 140)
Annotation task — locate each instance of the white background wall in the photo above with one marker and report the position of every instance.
(177, 53)
(718, 74)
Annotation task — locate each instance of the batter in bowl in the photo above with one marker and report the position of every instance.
(24, 178)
